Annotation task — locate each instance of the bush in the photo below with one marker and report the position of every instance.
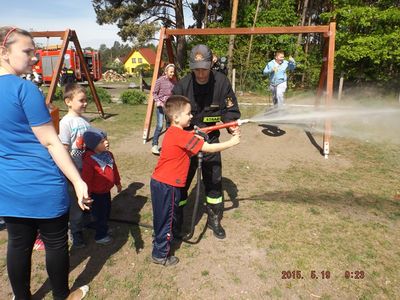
(58, 94)
(133, 97)
(104, 95)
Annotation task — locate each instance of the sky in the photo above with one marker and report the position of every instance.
(56, 15)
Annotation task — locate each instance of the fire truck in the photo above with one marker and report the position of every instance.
(48, 57)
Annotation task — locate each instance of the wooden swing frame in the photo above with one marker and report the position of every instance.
(68, 36)
(326, 74)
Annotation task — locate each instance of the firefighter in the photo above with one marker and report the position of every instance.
(70, 76)
(212, 100)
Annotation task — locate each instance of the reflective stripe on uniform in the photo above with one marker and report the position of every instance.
(212, 119)
(214, 200)
(182, 202)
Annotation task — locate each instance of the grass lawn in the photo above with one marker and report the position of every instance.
(297, 224)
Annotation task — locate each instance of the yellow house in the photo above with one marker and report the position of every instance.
(142, 56)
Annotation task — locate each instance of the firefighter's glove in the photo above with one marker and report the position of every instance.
(204, 135)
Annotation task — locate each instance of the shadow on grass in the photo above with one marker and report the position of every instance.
(125, 206)
(346, 201)
(271, 130)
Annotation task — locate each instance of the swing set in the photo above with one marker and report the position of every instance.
(325, 84)
(66, 36)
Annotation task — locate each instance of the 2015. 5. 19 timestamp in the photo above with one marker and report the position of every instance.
(324, 274)
(297, 274)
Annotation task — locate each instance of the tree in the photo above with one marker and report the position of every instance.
(139, 20)
(368, 41)
(108, 55)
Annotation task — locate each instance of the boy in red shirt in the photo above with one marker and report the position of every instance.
(171, 171)
(100, 173)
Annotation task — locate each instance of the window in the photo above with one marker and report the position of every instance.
(132, 70)
(140, 60)
(134, 60)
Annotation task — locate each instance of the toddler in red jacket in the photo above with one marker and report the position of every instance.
(100, 173)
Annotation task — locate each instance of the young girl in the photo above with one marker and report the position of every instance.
(32, 187)
(162, 90)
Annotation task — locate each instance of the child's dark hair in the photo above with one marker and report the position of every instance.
(7, 35)
(71, 89)
(175, 105)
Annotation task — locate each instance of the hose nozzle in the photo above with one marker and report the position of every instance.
(241, 122)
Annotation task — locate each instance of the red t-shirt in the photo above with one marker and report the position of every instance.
(177, 148)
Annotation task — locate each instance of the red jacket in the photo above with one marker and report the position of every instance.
(97, 180)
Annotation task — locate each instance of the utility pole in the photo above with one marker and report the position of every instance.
(232, 37)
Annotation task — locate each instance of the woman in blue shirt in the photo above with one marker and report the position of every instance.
(33, 162)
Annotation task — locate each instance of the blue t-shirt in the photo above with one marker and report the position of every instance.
(31, 184)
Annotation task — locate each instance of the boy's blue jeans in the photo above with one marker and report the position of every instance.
(101, 209)
(164, 199)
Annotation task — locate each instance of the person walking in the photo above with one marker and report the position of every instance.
(276, 69)
(162, 90)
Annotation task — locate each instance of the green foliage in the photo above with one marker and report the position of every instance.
(367, 47)
(137, 20)
(104, 95)
(368, 42)
(133, 97)
(109, 55)
(58, 95)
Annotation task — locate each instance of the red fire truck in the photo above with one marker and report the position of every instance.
(48, 60)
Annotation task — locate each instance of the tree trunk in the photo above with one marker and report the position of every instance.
(206, 15)
(306, 47)
(251, 42)
(181, 41)
(232, 37)
(302, 22)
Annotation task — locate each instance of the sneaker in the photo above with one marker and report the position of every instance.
(169, 261)
(79, 293)
(155, 150)
(105, 240)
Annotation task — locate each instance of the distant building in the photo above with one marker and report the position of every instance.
(118, 60)
(143, 57)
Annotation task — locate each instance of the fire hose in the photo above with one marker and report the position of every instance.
(203, 132)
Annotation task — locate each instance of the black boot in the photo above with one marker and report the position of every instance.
(214, 212)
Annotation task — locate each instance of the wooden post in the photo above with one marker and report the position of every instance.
(150, 102)
(141, 80)
(329, 86)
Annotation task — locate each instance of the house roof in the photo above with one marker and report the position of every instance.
(148, 53)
